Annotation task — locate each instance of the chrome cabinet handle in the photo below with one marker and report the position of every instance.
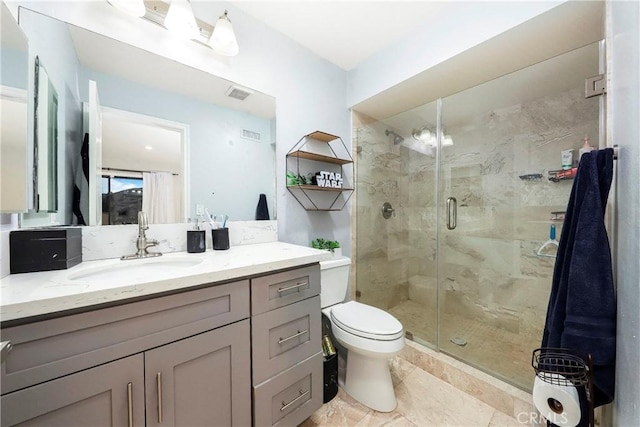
(288, 288)
(130, 404)
(159, 395)
(281, 340)
(452, 213)
(286, 405)
(4, 350)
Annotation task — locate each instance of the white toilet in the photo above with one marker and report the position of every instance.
(371, 336)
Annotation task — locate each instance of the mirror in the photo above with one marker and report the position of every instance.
(224, 157)
(45, 142)
(14, 156)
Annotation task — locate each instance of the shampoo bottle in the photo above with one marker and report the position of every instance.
(585, 147)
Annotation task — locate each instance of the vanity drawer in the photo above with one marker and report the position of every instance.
(291, 397)
(49, 349)
(280, 289)
(285, 336)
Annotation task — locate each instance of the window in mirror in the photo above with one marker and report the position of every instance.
(121, 199)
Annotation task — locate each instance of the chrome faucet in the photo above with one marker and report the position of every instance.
(142, 243)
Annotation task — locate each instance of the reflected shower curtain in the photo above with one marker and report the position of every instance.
(158, 198)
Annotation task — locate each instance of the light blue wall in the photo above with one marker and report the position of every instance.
(235, 169)
(14, 68)
(624, 46)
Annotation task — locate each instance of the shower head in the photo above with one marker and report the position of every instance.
(397, 139)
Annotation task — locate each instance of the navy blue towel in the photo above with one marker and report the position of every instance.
(262, 210)
(582, 307)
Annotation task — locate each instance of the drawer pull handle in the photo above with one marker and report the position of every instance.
(130, 404)
(159, 391)
(288, 288)
(286, 405)
(4, 350)
(281, 340)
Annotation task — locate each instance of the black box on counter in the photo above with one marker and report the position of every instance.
(44, 249)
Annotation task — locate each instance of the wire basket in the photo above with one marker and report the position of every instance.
(560, 366)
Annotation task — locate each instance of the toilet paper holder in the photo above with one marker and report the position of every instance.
(569, 369)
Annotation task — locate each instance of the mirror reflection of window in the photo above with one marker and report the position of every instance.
(121, 199)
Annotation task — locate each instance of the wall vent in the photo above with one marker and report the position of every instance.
(238, 93)
(249, 134)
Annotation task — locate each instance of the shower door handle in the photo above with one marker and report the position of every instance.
(452, 213)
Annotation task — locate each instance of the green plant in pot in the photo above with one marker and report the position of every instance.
(327, 245)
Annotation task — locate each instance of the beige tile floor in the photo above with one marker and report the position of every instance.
(423, 401)
(504, 354)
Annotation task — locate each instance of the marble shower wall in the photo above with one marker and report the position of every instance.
(489, 272)
(396, 256)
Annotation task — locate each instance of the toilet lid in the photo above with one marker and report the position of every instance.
(366, 321)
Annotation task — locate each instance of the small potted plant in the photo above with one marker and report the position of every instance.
(332, 246)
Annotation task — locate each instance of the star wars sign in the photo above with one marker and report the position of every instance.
(329, 179)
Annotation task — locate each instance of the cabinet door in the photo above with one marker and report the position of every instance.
(201, 381)
(107, 395)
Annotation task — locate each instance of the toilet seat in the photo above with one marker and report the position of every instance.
(366, 321)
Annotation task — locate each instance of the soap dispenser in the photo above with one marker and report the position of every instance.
(586, 148)
(196, 239)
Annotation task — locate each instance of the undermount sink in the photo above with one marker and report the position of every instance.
(135, 270)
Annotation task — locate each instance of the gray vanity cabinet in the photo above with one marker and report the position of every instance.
(286, 346)
(233, 354)
(104, 396)
(190, 351)
(201, 381)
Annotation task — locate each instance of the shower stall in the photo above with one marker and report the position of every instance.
(471, 188)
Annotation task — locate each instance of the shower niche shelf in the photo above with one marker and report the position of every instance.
(318, 169)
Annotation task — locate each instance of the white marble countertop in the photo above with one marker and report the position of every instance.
(35, 294)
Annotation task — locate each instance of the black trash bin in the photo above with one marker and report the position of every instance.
(330, 368)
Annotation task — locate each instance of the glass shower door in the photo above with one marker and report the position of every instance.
(396, 251)
(499, 144)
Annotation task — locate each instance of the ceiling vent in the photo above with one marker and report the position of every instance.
(238, 93)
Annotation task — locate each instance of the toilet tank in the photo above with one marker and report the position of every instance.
(334, 280)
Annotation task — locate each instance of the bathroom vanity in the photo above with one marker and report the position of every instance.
(234, 339)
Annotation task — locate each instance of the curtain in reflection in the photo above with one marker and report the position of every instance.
(158, 198)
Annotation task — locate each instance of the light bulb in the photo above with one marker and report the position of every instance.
(180, 20)
(223, 39)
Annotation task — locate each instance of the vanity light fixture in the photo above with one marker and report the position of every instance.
(223, 39)
(133, 8)
(178, 18)
(181, 21)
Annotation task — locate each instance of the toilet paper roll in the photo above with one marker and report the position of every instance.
(546, 397)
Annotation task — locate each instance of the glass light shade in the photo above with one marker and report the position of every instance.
(223, 39)
(180, 20)
(130, 7)
(425, 136)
